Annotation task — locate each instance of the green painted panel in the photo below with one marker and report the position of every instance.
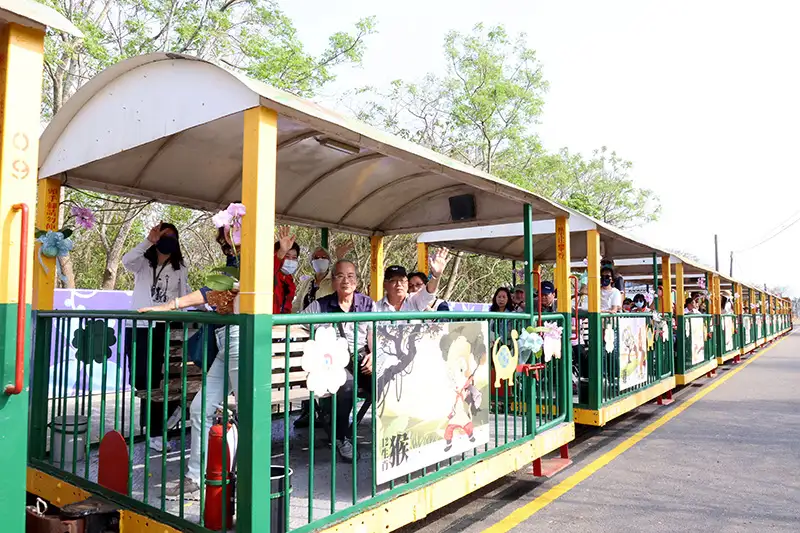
(13, 427)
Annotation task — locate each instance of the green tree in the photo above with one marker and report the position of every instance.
(253, 37)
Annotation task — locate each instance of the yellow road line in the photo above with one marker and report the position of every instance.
(526, 511)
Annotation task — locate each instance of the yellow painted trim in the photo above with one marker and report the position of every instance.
(666, 284)
(21, 49)
(376, 267)
(593, 257)
(562, 265)
(48, 201)
(591, 417)
(259, 167)
(528, 510)
(700, 371)
(679, 292)
(61, 493)
(727, 357)
(417, 504)
(422, 257)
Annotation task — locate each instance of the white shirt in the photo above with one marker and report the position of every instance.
(154, 286)
(610, 298)
(418, 301)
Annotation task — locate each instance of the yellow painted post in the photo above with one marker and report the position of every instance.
(593, 257)
(21, 63)
(422, 257)
(259, 173)
(666, 284)
(562, 265)
(595, 346)
(679, 291)
(376, 267)
(48, 201)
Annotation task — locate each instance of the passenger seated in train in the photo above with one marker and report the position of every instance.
(610, 296)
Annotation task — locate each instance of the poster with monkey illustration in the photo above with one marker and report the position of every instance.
(632, 352)
(432, 386)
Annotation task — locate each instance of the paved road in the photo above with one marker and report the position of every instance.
(728, 463)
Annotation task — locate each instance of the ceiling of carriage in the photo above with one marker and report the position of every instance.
(169, 128)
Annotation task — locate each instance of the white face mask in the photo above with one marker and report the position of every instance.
(320, 265)
(289, 266)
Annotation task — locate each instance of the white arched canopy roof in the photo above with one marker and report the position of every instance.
(169, 127)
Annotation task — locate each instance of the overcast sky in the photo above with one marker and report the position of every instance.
(702, 96)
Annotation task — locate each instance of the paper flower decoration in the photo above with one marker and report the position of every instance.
(505, 363)
(529, 343)
(664, 331)
(552, 341)
(701, 282)
(83, 217)
(648, 297)
(650, 338)
(609, 338)
(324, 359)
(54, 244)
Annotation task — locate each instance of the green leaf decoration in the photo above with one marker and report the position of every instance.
(229, 271)
(219, 282)
(38, 233)
(89, 342)
(66, 232)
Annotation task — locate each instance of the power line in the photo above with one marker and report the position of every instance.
(786, 225)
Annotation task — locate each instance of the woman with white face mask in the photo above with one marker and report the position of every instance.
(321, 283)
(286, 253)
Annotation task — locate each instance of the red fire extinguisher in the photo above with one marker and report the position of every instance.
(214, 504)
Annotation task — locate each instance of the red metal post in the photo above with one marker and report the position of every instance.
(19, 365)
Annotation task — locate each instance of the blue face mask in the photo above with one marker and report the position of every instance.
(639, 304)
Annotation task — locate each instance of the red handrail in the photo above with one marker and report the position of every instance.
(538, 277)
(576, 288)
(19, 373)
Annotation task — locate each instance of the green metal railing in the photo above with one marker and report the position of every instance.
(615, 374)
(323, 488)
(729, 338)
(748, 330)
(698, 341)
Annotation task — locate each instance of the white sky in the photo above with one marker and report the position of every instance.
(702, 96)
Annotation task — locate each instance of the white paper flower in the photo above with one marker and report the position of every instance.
(664, 331)
(609, 338)
(325, 358)
(552, 341)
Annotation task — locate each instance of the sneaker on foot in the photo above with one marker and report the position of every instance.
(346, 449)
(157, 444)
(174, 419)
(191, 490)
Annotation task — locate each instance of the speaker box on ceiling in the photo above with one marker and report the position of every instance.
(462, 207)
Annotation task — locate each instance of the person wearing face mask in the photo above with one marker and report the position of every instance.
(610, 296)
(321, 283)
(639, 304)
(159, 276)
(286, 254)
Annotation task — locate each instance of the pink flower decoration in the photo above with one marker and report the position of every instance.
(222, 219)
(237, 211)
(83, 217)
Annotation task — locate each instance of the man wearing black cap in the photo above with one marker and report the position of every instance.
(395, 286)
(548, 297)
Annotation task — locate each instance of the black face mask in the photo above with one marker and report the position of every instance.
(605, 281)
(167, 245)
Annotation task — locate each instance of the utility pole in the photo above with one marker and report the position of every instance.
(731, 274)
(716, 253)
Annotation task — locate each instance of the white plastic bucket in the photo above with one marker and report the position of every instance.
(66, 430)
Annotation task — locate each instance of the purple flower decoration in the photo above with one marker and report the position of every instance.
(237, 211)
(701, 282)
(552, 331)
(83, 217)
(221, 219)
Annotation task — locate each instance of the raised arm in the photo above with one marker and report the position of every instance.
(134, 261)
(437, 265)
